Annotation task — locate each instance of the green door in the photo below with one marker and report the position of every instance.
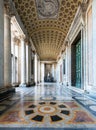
(78, 64)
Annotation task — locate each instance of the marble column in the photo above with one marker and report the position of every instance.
(28, 61)
(68, 64)
(16, 62)
(38, 71)
(23, 61)
(94, 43)
(19, 62)
(7, 46)
(35, 68)
(13, 59)
(42, 71)
(1, 44)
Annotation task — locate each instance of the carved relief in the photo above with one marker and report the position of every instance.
(47, 8)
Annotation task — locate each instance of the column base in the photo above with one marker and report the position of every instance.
(22, 85)
(15, 85)
(5, 92)
(9, 88)
(30, 84)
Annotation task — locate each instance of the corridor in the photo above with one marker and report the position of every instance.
(47, 64)
(48, 106)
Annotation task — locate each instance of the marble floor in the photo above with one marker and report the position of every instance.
(48, 106)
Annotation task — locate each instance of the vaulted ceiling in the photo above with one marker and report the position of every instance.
(47, 23)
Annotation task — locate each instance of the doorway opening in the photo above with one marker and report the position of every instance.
(76, 62)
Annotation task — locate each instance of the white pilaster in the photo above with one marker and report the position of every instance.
(42, 70)
(13, 59)
(7, 47)
(38, 70)
(29, 63)
(53, 70)
(1, 44)
(23, 61)
(28, 55)
(35, 68)
(69, 64)
(94, 42)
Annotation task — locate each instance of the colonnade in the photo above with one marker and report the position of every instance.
(16, 52)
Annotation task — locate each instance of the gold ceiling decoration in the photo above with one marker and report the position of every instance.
(47, 22)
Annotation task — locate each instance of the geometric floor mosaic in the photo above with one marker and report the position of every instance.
(48, 107)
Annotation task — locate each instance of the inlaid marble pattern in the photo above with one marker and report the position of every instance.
(47, 112)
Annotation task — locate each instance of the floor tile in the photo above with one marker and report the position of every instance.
(48, 107)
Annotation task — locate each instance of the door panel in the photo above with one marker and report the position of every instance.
(78, 64)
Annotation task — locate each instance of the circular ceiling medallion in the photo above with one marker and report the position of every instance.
(47, 8)
(47, 109)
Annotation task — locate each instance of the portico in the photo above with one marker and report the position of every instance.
(47, 60)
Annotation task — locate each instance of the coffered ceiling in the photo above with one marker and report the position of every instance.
(47, 23)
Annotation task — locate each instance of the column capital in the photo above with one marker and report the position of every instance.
(67, 42)
(16, 40)
(84, 5)
(26, 41)
(22, 37)
(29, 43)
(7, 9)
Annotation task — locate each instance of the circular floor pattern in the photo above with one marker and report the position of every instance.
(93, 108)
(47, 109)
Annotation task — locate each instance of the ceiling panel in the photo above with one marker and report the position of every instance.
(47, 23)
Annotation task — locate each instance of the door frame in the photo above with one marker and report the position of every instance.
(78, 37)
